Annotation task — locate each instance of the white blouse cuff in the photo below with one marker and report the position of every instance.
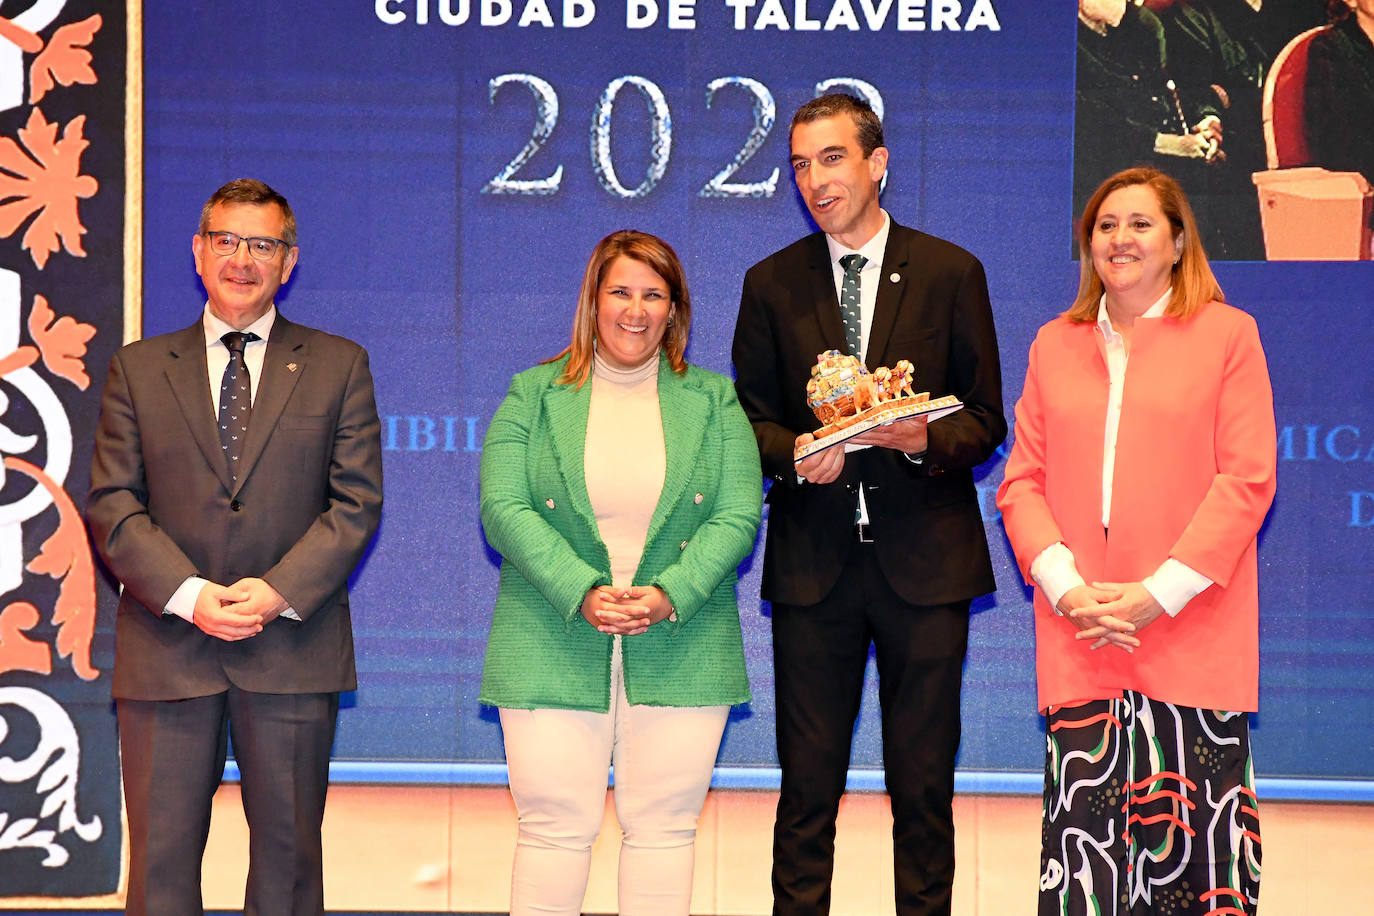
(1174, 584)
(1055, 572)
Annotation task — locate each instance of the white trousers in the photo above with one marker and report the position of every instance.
(557, 758)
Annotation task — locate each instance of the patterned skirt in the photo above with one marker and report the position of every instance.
(1150, 808)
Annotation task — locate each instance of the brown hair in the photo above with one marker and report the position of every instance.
(831, 106)
(660, 257)
(250, 191)
(1193, 282)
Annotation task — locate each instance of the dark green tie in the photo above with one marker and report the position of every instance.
(849, 303)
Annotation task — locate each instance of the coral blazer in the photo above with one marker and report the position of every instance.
(1194, 478)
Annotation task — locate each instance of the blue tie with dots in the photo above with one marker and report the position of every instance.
(235, 399)
(849, 303)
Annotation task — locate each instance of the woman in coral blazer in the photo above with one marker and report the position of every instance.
(621, 487)
(1142, 469)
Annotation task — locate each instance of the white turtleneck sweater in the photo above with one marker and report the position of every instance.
(624, 460)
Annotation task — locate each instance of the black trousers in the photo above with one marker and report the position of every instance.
(173, 754)
(819, 656)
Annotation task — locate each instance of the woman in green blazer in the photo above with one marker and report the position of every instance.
(621, 487)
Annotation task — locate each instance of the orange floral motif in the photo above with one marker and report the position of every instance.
(17, 651)
(47, 181)
(19, 358)
(63, 342)
(65, 59)
(21, 37)
(67, 556)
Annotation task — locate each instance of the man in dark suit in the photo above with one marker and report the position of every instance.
(234, 541)
(879, 543)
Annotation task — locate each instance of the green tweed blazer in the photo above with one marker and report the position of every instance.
(537, 515)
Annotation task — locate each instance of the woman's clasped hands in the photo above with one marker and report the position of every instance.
(625, 611)
(1110, 613)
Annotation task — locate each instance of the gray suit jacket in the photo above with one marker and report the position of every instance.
(163, 506)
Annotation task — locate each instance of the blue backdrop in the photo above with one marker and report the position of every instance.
(394, 132)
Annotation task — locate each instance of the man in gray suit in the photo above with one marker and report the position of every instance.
(236, 481)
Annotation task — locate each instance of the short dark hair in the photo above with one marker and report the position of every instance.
(250, 191)
(1337, 10)
(838, 103)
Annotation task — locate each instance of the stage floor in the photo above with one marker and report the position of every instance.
(447, 849)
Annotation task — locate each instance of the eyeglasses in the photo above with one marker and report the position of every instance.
(261, 247)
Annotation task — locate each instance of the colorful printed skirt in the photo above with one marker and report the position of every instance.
(1149, 809)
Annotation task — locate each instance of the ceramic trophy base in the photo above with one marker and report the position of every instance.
(879, 415)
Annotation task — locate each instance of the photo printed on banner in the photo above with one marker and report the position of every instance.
(1259, 108)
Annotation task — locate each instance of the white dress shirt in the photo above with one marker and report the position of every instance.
(1173, 584)
(870, 275)
(183, 600)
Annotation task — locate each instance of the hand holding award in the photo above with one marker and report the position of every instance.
(849, 400)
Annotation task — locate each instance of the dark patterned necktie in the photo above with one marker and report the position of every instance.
(849, 303)
(235, 399)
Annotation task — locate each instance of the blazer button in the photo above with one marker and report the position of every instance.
(235, 506)
(549, 503)
(682, 546)
(697, 499)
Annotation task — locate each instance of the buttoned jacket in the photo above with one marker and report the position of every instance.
(164, 506)
(932, 309)
(537, 514)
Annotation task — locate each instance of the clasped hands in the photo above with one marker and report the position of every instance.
(1110, 613)
(238, 611)
(907, 435)
(625, 611)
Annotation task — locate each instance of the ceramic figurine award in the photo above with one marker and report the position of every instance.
(848, 399)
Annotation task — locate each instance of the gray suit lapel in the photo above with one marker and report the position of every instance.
(189, 379)
(282, 367)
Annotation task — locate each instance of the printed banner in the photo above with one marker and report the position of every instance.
(452, 162)
(63, 186)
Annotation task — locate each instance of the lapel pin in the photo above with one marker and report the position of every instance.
(292, 366)
(894, 276)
